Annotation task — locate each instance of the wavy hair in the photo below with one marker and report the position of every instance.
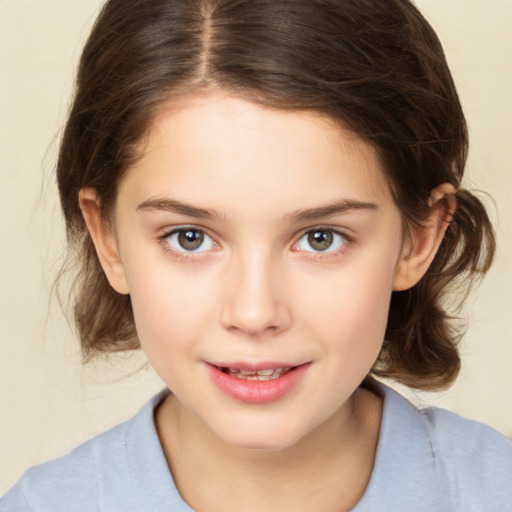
(376, 66)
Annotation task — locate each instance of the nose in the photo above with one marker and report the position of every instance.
(255, 300)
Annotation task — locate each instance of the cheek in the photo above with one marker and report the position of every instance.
(170, 308)
(352, 307)
(357, 332)
(169, 319)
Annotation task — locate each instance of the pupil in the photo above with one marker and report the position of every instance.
(190, 240)
(320, 240)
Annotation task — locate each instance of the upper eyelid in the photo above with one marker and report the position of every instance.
(184, 254)
(168, 231)
(165, 233)
(347, 243)
(340, 231)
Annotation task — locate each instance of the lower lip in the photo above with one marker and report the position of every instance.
(257, 391)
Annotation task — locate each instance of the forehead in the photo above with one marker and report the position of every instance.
(211, 139)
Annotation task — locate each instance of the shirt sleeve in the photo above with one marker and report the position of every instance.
(14, 501)
(477, 461)
(59, 485)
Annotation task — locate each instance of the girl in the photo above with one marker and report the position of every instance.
(265, 197)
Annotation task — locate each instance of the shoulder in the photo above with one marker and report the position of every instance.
(466, 462)
(78, 480)
(72, 480)
(475, 459)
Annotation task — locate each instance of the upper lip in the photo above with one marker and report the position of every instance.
(255, 366)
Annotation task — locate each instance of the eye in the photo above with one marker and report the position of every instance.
(189, 240)
(321, 240)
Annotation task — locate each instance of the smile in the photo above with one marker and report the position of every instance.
(257, 385)
(260, 375)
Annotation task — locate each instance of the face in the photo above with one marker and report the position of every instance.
(260, 249)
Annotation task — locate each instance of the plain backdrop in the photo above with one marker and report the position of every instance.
(48, 401)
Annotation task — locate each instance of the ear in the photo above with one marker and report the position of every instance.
(417, 255)
(103, 239)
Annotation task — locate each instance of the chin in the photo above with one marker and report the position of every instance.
(261, 436)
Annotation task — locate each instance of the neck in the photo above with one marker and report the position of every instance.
(328, 469)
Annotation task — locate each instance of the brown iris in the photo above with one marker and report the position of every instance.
(320, 240)
(190, 239)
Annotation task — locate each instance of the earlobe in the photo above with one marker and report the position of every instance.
(419, 252)
(103, 239)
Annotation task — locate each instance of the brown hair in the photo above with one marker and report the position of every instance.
(374, 65)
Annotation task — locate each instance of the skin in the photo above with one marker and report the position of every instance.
(258, 290)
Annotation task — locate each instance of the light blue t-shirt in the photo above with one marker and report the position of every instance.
(427, 461)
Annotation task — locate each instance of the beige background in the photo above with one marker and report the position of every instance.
(48, 402)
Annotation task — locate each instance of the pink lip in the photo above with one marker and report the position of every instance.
(254, 391)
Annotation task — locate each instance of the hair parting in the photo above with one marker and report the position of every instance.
(374, 66)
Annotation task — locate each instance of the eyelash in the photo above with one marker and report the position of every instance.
(185, 255)
(324, 255)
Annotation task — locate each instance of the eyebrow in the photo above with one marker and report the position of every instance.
(335, 208)
(179, 207)
(171, 205)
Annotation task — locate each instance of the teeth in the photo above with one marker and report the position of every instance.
(261, 375)
(259, 372)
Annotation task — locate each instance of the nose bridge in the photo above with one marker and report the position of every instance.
(255, 300)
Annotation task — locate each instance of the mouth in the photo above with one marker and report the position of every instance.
(260, 375)
(257, 383)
